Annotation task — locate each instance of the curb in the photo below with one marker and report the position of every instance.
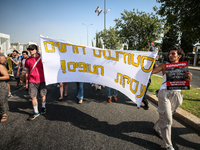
(194, 68)
(181, 114)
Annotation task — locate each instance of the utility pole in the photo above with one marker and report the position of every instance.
(99, 11)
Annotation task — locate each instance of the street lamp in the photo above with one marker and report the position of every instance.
(87, 31)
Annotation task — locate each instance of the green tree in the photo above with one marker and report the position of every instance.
(138, 29)
(158, 45)
(98, 40)
(111, 39)
(186, 44)
(185, 15)
(171, 36)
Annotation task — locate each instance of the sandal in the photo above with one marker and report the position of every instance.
(4, 118)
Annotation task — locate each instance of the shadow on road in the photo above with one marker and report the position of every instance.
(59, 112)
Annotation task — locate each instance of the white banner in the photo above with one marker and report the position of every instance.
(124, 70)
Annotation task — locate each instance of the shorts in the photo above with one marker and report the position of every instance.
(23, 77)
(6, 81)
(35, 87)
(15, 74)
(3, 98)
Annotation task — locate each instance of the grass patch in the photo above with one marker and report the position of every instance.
(191, 99)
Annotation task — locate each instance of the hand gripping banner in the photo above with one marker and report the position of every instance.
(124, 70)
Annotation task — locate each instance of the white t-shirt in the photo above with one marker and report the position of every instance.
(23, 63)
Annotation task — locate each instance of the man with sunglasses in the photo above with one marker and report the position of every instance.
(35, 80)
(168, 100)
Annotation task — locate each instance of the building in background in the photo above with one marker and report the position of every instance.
(18, 46)
(6, 47)
(4, 43)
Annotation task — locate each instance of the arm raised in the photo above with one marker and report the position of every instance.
(161, 67)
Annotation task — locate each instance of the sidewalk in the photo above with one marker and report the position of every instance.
(195, 68)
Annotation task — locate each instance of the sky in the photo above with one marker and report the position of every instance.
(25, 20)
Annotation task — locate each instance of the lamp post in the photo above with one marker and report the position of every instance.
(87, 31)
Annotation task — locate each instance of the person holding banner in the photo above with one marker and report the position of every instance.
(35, 80)
(112, 93)
(80, 91)
(168, 100)
(61, 90)
(144, 100)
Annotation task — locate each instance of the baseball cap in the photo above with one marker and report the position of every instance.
(32, 46)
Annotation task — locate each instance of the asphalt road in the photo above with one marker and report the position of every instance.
(93, 125)
(195, 78)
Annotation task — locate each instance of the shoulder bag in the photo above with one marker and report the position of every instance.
(35, 64)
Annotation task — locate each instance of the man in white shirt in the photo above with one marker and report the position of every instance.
(21, 65)
(168, 100)
(15, 63)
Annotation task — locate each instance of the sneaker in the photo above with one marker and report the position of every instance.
(43, 111)
(146, 104)
(99, 87)
(9, 95)
(34, 116)
(170, 148)
(110, 100)
(115, 98)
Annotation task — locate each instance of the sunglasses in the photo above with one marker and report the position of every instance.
(31, 49)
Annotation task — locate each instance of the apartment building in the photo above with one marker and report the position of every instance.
(4, 43)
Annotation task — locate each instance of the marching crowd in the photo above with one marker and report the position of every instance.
(28, 69)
